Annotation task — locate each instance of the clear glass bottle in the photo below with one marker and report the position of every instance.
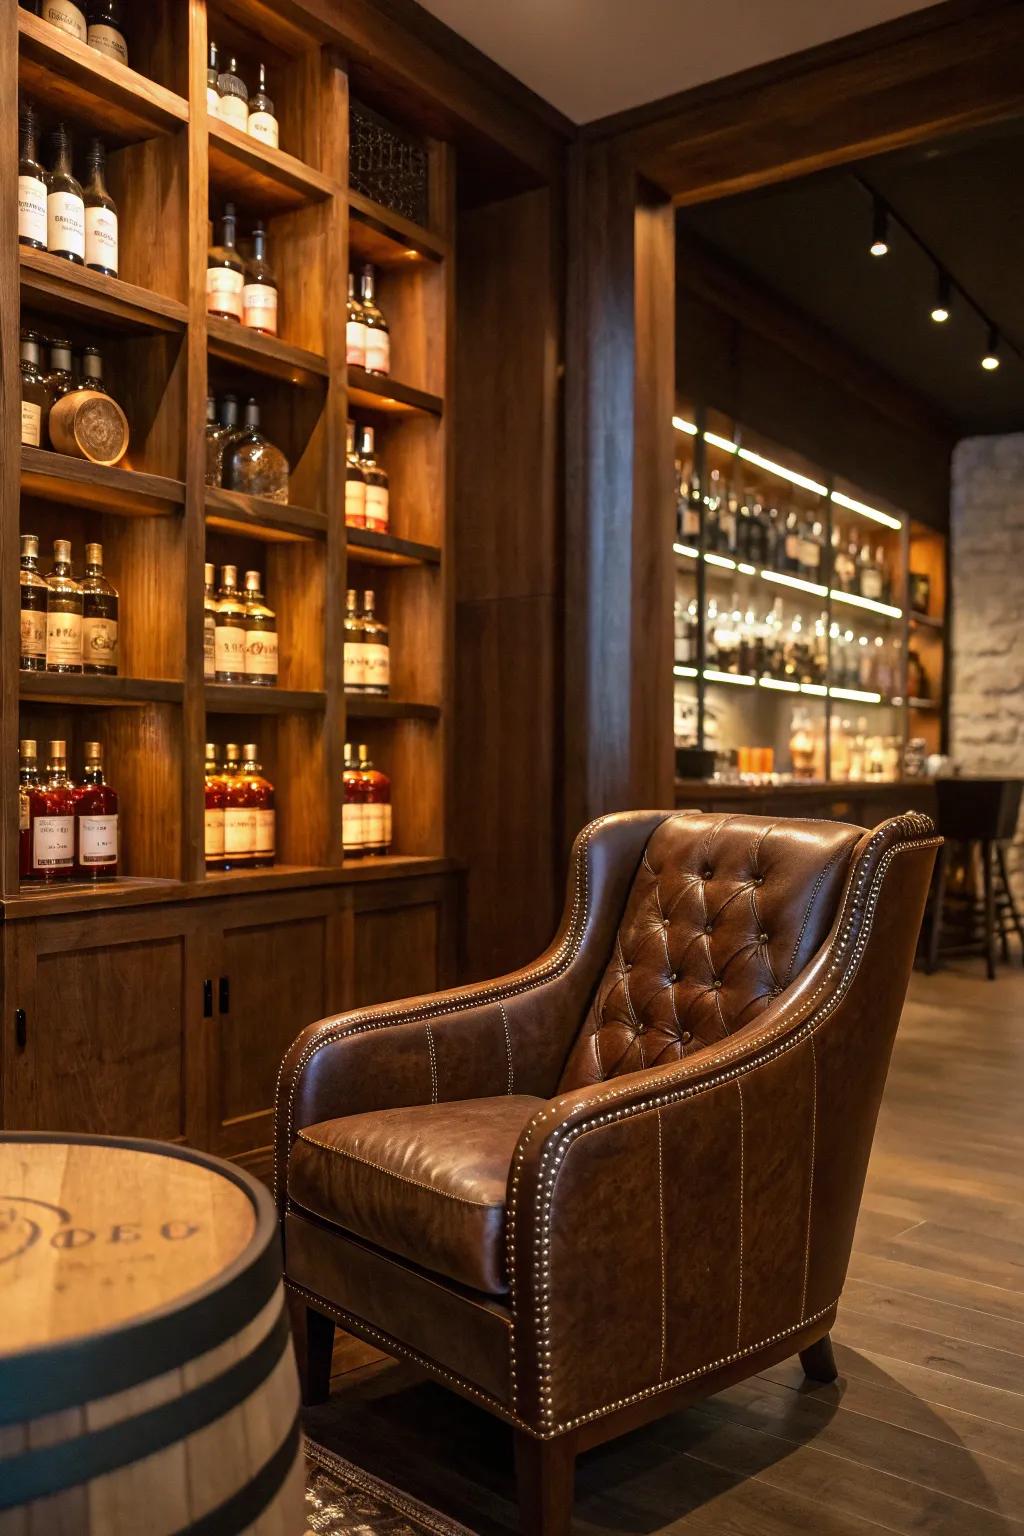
(377, 491)
(68, 17)
(63, 613)
(376, 806)
(378, 336)
(260, 635)
(101, 247)
(212, 71)
(33, 607)
(375, 649)
(229, 636)
(35, 396)
(106, 29)
(213, 824)
(52, 820)
(353, 841)
(259, 292)
(355, 328)
(209, 624)
(31, 182)
(28, 779)
(95, 802)
(355, 648)
(232, 97)
(99, 617)
(261, 800)
(263, 122)
(869, 575)
(65, 204)
(355, 482)
(225, 272)
(239, 812)
(61, 377)
(252, 463)
(218, 435)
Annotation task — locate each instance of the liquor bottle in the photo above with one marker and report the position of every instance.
(259, 291)
(106, 29)
(65, 205)
(253, 464)
(355, 648)
(225, 272)
(63, 613)
(67, 16)
(61, 377)
(261, 799)
(229, 636)
(260, 636)
(218, 435)
(52, 817)
(844, 566)
(35, 397)
(90, 376)
(869, 574)
(232, 97)
(353, 842)
(355, 328)
(377, 656)
(810, 550)
(376, 806)
(28, 779)
(99, 617)
(378, 337)
(377, 492)
(100, 215)
(209, 625)
(239, 812)
(33, 607)
(355, 482)
(95, 804)
(213, 820)
(31, 183)
(263, 122)
(212, 71)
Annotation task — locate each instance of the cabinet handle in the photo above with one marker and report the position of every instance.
(21, 1028)
(224, 997)
(208, 998)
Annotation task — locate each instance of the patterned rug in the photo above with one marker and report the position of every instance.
(341, 1497)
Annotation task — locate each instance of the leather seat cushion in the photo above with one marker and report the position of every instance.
(427, 1182)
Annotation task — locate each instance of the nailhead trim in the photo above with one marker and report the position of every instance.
(508, 1047)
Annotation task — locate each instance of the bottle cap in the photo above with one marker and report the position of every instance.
(364, 755)
(368, 440)
(58, 751)
(250, 751)
(229, 575)
(368, 600)
(253, 581)
(232, 752)
(211, 751)
(350, 597)
(93, 752)
(94, 554)
(27, 750)
(62, 550)
(30, 544)
(209, 571)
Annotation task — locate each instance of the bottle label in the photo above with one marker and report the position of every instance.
(108, 40)
(261, 653)
(31, 423)
(209, 646)
(378, 350)
(373, 825)
(264, 834)
(352, 836)
(64, 639)
(810, 553)
(65, 223)
(213, 834)
(212, 101)
(355, 664)
(262, 125)
(97, 841)
(24, 813)
(355, 503)
(229, 649)
(99, 642)
(32, 209)
(792, 547)
(377, 508)
(355, 343)
(377, 665)
(259, 307)
(224, 291)
(101, 239)
(233, 110)
(385, 836)
(871, 583)
(239, 829)
(68, 17)
(53, 842)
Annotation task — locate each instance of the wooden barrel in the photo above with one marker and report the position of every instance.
(89, 425)
(147, 1379)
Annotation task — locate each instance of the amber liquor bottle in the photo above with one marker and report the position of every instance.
(261, 800)
(355, 328)
(213, 826)
(31, 183)
(225, 272)
(376, 805)
(378, 515)
(99, 617)
(239, 812)
(353, 842)
(378, 336)
(28, 779)
(355, 648)
(376, 652)
(355, 482)
(33, 607)
(63, 613)
(229, 635)
(95, 803)
(52, 817)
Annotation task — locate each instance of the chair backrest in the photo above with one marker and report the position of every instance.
(986, 809)
(724, 913)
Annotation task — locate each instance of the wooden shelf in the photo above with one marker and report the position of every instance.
(387, 239)
(260, 179)
(258, 518)
(76, 688)
(242, 699)
(362, 706)
(265, 355)
(66, 289)
(90, 90)
(73, 482)
(376, 393)
(372, 548)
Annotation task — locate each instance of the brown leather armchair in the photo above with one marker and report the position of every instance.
(625, 1176)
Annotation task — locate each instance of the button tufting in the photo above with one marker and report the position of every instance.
(709, 927)
(665, 922)
(759, 879)
(762, 938)
(674, 976)
(716, 984)
(706, 875)
(686, 1037)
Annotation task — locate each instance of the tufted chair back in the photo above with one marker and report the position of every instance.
(724, 913)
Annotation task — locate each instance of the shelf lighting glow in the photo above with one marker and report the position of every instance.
(818, 689)
(886, 520)
(782, 580)
(855, 695)
(783, 473)
(684, 426)
(780, 684)
(856, 601)
(722, 560)
(685, 671)
(711, 676)
(720, 442)
(687, 550)
(745, 569)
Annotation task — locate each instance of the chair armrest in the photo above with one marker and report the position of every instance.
(508, 1035)
(668, 1222)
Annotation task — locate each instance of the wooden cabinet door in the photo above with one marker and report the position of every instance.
(403, 940)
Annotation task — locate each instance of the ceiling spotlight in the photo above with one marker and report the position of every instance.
(880, 229)
(940, 309)
(990, 361)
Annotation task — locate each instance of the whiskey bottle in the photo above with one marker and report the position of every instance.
(99, 617)
(35, 397)
(229, 638)
(209, 625)
(263, 122)
(212, 71)
(95, 804)
(844, 566)
(63, 613)
(52, 818)
(31, 183)
(239, 812)
(61, 377)
(378, 337)
(232, 97)
(213, 822)
(106, 29)
(259, 292)
(377, 656)
(354, 670)
(376, 805)
(377, 492)
(252, 464)
(218, 435)
(225, 272)
(869, 575)
(65, 205)
(352, 840)
(261, 800)
(33, 607)
(100, 215)
(355, 328)
(68, 17)
(260, 636)
(28, 779)
(355, 482)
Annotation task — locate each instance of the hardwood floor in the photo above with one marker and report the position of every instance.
(924, 1430)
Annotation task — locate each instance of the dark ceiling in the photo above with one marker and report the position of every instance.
(808, 243)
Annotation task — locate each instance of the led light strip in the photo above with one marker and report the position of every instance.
(710, 676)
(685, 671)
(780, 684)
(856, 601)
(848, 502)
(798, 582)
(855, 695)
(780, 470)
(724, 561)
(687, 550)
(684, 426)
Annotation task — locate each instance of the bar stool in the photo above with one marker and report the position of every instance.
(981, 816)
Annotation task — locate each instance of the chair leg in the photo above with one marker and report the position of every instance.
(818, 1361)
(546, 1475)
(935, 928)
(990, 910)
(313, 1336)
(1015, 917)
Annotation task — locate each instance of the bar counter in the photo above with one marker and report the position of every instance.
(864, 802)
